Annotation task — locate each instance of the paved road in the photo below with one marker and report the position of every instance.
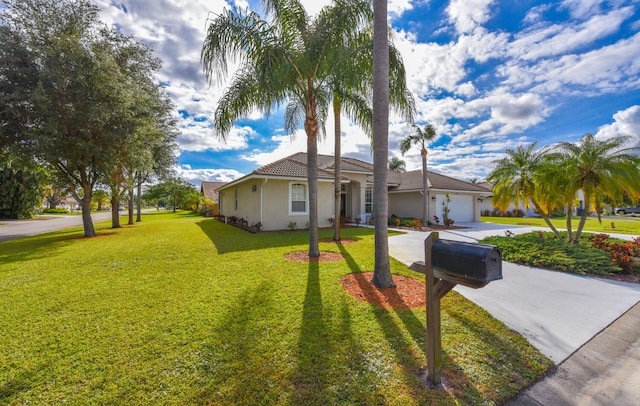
(11, 229)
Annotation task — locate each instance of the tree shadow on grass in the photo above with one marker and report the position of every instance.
(237, 364)
(405, 350)
(227, 238)
(502, 367)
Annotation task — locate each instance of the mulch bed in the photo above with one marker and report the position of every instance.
(408, 293)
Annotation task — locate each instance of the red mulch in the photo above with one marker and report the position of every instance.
(408, 293)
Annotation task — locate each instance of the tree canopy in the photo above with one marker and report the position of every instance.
(73, 98)
(288, 59)
(551, 178)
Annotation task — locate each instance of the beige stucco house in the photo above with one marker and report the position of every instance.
(277, 194)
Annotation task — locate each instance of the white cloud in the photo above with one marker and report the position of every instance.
(466, 15)
(558, 39)
(582, 8)
(197, 176)
(626, 123)
(199, 136)
(600, 71)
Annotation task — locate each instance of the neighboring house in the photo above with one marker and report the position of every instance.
(277, 194)
(487, 204)
(209, 190)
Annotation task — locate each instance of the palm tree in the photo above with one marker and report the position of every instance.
(397, 165)
(286, 59)
(351, 90)
(599, 169)
(381, 271)
(516, 178)
(421, 138)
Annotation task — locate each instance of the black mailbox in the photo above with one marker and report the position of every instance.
(467, 264)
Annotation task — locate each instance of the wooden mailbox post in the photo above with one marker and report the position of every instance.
(447, 264)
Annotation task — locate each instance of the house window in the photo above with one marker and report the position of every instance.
(298, 198)
(368, 200)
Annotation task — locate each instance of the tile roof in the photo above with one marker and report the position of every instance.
(209, 189)
(295, 166)
(413, 181)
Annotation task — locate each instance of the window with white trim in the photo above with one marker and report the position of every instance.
(298, 198)
(368, 200)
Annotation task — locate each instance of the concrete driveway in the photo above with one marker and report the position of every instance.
(557, 312)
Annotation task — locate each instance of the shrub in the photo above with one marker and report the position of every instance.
(257, 226)
(292, 225)
(517, 213)
(417, 224)
(57, 210)
(550, 253)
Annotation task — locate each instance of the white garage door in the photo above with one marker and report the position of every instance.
(460, 208)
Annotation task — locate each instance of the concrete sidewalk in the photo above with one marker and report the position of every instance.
(605, 371)
(560, 314)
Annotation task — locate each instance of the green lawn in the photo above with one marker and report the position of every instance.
(185, 310)
(623, 225)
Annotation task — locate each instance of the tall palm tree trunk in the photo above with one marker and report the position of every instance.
(311, 127)
(425, 186)
(337, 168)
(382, 270)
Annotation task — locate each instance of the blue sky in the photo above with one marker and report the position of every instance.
(489, 75)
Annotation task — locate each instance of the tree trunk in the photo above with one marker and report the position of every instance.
(139, 201)
(545, 217)
(312, 184)
(425, 188)
(85, 204)
(130, 206)
(115, 210)
(568, 222)
(382, 270)
(336, 168)
(583, 217)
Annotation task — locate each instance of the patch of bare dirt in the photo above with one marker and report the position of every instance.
(408, 293)
(343, 241)
(621, 278)
(303, 256)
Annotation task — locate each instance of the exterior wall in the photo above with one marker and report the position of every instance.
(274, 195)
(248, 206)
(407, 204)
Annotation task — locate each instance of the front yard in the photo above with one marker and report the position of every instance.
(185, 310)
